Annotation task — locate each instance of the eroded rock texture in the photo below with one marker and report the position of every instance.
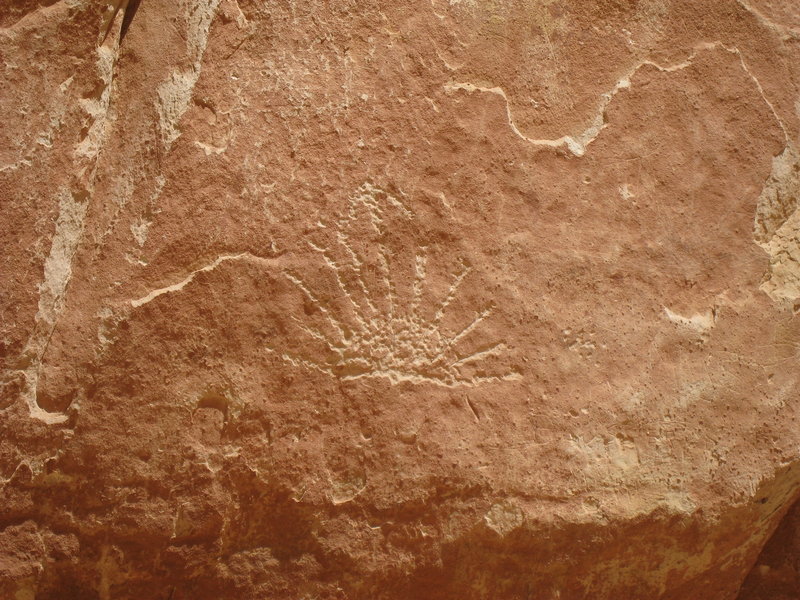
(436, 299)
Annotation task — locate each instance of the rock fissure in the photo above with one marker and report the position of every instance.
(577, 143)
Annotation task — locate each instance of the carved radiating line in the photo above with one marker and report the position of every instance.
(492, 350)
(468, 329)
(337, 273)
(451, 294)
(390, 291)
(395, 338)
(316, 334)
(366, 195)
(357, 263)
(296, 360)
(302, 285)
(420, 273)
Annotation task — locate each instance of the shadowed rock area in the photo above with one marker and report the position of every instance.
(423, 300)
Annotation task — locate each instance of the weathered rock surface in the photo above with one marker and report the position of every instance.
(441, 299)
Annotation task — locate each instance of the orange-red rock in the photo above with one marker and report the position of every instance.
(443, 299)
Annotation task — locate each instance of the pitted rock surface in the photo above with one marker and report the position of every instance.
(439, 299)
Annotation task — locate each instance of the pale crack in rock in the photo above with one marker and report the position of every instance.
(176, 287)
(52, 292)
(777, 226)
(577, 143)
(738, 53)
(175, 93)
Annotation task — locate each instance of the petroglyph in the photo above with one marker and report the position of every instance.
(378, 312)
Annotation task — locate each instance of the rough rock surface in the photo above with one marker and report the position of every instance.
(436, 299)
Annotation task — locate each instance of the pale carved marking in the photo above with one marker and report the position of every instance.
(372, 328)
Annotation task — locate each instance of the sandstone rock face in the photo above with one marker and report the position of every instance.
(438, 299)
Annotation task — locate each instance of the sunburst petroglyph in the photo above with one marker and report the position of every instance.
(368, 324)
